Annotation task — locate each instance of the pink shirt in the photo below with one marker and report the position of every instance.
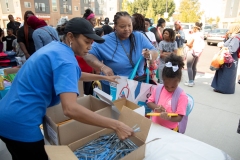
(165, 101)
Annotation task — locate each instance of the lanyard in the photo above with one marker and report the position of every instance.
(130, 58)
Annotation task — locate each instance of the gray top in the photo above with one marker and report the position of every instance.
(168, 46)
(44, 35)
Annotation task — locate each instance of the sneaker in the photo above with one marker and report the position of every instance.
(189, 84)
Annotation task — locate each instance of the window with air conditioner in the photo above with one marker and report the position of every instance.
(27, 4)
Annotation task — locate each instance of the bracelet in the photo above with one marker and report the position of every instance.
(102, 68)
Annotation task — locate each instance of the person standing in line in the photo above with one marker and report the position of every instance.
(24, 37)
(167, 46)
(106, 28)
(158, 31)
(9, 39)
(90, 16)
(195, 48)
(13, 24)
(180, 37)
(225, 77)
(49, 77)
(1, 39)
(149, 34)
(43, 34)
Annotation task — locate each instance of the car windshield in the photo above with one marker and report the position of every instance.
(184, 26)
(220, 31)
(207, 27)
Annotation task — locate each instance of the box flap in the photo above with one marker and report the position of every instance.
(104, 96)
(124, 102)
(10, 71)
(59, 153)
(132, 118)
(80, 88)
(56, 114)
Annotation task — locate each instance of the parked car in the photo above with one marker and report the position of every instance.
(187, 29)
(216, 36)
(206, 30)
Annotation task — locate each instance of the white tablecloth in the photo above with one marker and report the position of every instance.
(176, 146)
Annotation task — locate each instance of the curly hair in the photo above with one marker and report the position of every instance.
(171, 34)
(139, 24)
(168, 71)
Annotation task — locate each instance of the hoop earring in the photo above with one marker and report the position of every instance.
(70, 45)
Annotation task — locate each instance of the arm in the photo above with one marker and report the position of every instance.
(93, 77)
(190, 42)
(23, 48)
(97, 65)
(75, 111)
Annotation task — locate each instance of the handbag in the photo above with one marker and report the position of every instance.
(218, 59)
(228, 59)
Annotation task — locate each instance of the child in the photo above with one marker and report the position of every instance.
(9, 39)
(17, 49)
(172, 73)
(167, 46)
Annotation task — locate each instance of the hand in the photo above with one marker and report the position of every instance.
(112, 78)
(160, 109)
(123, 131)
(146, 53)
(178, 35)
(164, 115)
(107, 71)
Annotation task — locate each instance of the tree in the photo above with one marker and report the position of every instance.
(190, 11)
(150, 12)
(210, 20)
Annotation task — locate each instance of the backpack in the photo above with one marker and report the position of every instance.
(183, 124)
(238, 51)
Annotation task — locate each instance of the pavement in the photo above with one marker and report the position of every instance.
(214, 118)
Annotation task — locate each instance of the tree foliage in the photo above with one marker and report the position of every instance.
(149, 8)
(189, 11)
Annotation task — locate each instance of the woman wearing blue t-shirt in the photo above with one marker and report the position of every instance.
(121, 50)
(49, 76)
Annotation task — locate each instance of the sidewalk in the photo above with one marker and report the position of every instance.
(215, 116)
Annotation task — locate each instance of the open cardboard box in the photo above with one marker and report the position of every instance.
(8, 71)
(117, 105)
(61, 130)
(139, 138)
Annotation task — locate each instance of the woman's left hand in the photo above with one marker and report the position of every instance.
(146, 53)
(164, 115)
(112, 78)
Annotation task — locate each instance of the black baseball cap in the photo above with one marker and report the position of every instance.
(106, 19)
(84, 27)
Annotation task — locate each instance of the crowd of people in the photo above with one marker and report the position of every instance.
(58, 58)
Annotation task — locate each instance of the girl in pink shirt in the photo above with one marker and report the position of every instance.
(172, 74)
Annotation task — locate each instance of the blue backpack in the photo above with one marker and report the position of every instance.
(183, 124)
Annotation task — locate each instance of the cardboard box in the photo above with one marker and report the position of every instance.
(117, 105)
(139, 138)
(80, 88)
(59, 133)
(10, 71)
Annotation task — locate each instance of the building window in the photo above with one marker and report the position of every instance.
(42, 7)
(86, 1)
(67, 8)
(54, 5)
(27, 4)
(111, 9)
(7, 5)
(76, 8)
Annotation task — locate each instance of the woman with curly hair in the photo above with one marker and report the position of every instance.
(90, 16)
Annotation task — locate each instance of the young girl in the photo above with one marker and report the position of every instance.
(167, 46)
(172, 73)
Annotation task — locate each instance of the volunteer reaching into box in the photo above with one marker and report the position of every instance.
(121, 50)
(51, 74)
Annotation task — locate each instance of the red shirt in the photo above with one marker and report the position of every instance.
(83, 65)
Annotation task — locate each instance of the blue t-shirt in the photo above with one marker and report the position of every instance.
(119, 61)
(50, 71)
(42, 37)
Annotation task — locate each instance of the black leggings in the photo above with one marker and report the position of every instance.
(191, 66)
(25, 150)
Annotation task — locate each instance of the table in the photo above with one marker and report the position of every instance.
(176, 146)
